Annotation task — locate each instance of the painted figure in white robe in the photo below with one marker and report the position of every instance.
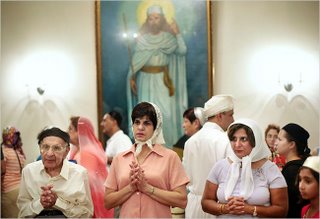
(157, 71)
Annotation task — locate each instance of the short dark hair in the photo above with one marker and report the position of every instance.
(189, 114)
(74, 121)
(144, 109)
(53, 131)
(233, 128)
(296, 133)
(116, 116)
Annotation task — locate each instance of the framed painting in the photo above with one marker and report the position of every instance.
(129, 48)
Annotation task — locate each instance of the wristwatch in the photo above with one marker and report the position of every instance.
(254, 214)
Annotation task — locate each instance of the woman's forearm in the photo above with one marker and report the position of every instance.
(265, 211)
(115, 198)
(210, 206)
(176, 198)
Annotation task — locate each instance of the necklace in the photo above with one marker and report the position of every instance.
(306, 215)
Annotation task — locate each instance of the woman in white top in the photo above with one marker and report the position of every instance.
(253, 185)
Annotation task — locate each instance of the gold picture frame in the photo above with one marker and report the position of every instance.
(199, 43)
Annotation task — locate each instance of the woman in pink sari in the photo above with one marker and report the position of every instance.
(88, 152)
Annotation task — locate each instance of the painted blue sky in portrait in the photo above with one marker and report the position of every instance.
(191, 17)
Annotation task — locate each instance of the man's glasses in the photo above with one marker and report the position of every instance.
(54, 148)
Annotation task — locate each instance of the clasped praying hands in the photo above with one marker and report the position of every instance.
(138, 180)
(48, 197)
(236, 205)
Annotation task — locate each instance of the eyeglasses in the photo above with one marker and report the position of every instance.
(55, 148)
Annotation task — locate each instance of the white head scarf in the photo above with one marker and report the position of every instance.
(259, 151)
(218, 104)
(199, 113)
(157, 137)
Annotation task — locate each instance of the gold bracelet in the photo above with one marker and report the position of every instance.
(221, 208)
(255, 214)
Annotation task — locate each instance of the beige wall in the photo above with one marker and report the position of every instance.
(258, 43)
(52, 45)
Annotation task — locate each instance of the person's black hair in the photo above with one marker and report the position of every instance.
(116, 116)
(296, 133)
(314, 173)
(144, 109)
(189, 114)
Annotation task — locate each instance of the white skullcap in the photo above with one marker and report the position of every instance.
(313, 162)
(218, 104)
(154, 9)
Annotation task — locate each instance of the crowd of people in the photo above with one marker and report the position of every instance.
(220, 167)
(228, 169)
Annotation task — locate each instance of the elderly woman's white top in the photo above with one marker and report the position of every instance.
(268, 176)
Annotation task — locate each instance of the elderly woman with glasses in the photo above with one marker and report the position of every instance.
(149, 178)
(53, 186)
(246, 183)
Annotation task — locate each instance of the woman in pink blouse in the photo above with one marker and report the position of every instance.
(149, 178)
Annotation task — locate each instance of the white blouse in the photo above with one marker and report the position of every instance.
(268, 176)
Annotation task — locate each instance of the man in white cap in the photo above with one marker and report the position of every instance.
(157, 71)
(205, 148)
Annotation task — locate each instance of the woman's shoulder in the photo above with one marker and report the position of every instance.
(268, 164)
(222, 164)
(220, 168)
(292, 167)
(270, 167)
(166, 151)
(7, 149)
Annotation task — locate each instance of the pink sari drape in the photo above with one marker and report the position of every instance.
(92, 157)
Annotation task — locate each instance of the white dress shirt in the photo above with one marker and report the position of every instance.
(71, 186)
(202, 150)
(118, 143)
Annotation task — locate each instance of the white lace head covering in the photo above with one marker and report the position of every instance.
(259, 151)
(199, 113)
(157, 137)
